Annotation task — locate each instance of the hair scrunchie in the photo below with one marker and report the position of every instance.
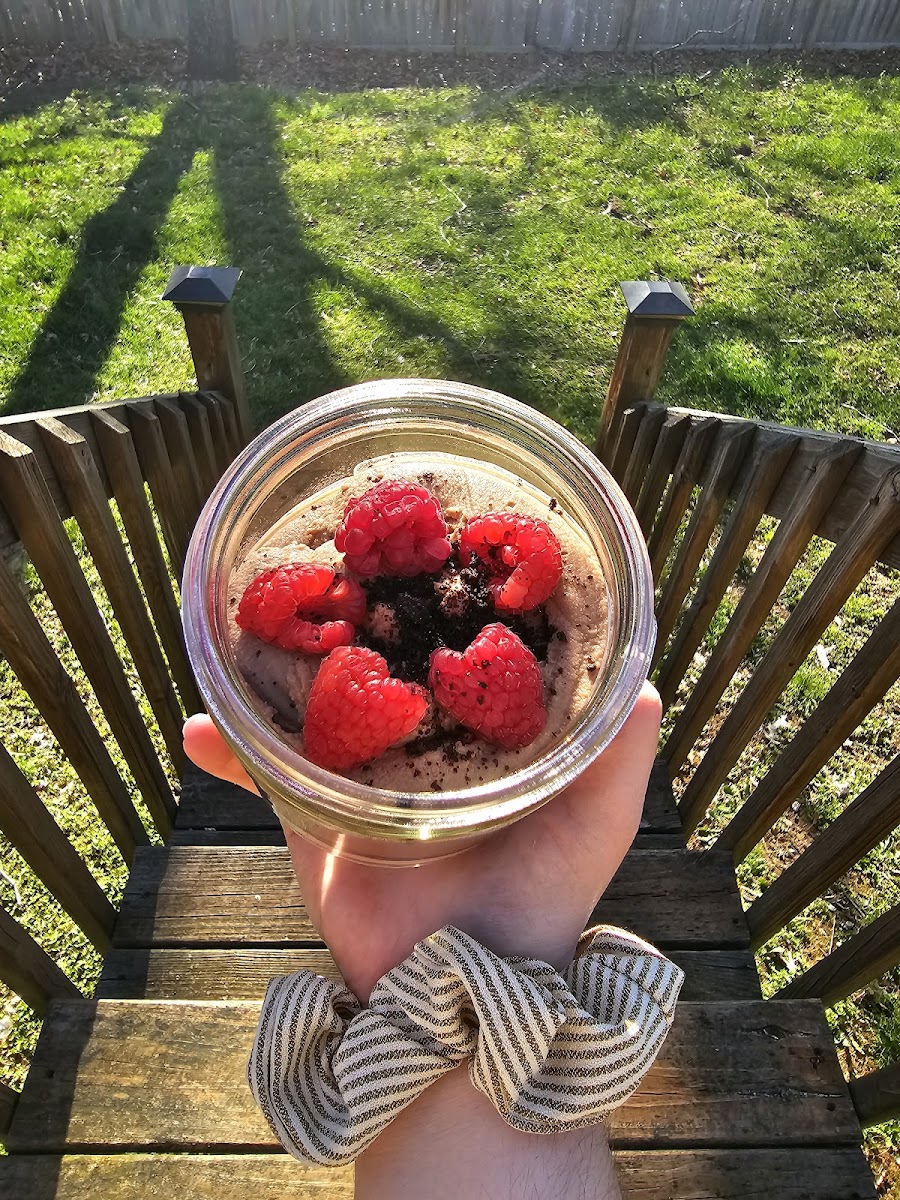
(550, 1051)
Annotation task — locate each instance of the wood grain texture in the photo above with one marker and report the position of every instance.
(197, 417)
(27, 969)
(140, 1075)
(647, 436)
(219, 433)
(625, 434)
(875, 458)
(824, 1173)
(28, 826)
(853, 695)
(209, 803)
(30, 654)
(77, 471)
(771, 455)
(173, 423)
(857, 961)
(876, 1096)
(156, 468)
(8, 1101)
(730, 452)
(873, 815)
(26, 498)
(662, 464)
(689, 469)
(762, 591)
(244, 896)
(637, 369)
(120, 459)
(848, 562)
(243, 974)
(212, 338)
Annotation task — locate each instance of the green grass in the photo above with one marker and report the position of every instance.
(477, 236)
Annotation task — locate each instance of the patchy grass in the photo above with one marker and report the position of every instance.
(458, 233)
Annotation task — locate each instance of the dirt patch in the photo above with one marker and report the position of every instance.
(30, 75)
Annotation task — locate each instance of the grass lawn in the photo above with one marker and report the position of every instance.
(451, 232)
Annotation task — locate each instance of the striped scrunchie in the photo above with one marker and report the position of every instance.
(550, 1051)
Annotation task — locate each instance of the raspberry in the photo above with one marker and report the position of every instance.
(522, 555)
(302, 606)
(356, 710)
(494, 687)
(396, 528)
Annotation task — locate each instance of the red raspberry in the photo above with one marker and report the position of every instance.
(494, 687)
(356, 710)
(522, 554)
(396, 528)
(302, 606)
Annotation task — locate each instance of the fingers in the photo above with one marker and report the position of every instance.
(591, 825)
(206, 748)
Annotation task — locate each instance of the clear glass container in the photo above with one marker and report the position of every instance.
(322, 443)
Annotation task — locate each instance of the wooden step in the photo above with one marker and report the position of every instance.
(237, 896)
(207, 803)
(820, 1174)
(144, 1076)
(242, 974)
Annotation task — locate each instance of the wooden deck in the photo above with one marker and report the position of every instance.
(141, 1093)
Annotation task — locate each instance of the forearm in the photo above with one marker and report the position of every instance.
(451, 1142)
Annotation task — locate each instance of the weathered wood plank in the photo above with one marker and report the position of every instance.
(862, 958)
(876, 1096)
(762, 590)
(75, 466)
(661, 465)
(873, 815)
(873, 460)
(770, 458)
(27, 969)
(859, 688)
(156, 467)
(243, 974)
(143, 1075)
(625, 433)
(824, 1173)
(27, 500)
(688, 471)
(177, 437)
(30, 654)
(8, 1101)
(647, 436)
(197, 417)
(27, 825)
(240, 896)
(209, 803)
(120, 459)
(848, 562)
(729, 453)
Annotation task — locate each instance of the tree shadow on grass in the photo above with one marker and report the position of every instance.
(116, 245)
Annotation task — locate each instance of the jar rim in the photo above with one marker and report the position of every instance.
(375, 812)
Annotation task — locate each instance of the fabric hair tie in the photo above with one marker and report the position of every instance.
(550, 1051)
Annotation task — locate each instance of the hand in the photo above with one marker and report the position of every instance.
(528, 889)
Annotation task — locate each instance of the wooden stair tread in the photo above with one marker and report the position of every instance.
(141, 1075)
(208, 803)
(796, 1174)
(247, 895)
(242, 974)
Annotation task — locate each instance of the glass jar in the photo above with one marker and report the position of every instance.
(322, 443)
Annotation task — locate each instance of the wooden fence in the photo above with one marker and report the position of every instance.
(474, 25)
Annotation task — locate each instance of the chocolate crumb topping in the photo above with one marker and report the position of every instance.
(446, 610)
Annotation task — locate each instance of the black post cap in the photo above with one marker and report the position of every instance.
(202, 285)
(661, 298)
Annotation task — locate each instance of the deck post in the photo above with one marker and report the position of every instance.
(655, 310)
(203, 297)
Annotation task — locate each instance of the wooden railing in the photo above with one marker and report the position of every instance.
(132, 476)
(698, 480)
